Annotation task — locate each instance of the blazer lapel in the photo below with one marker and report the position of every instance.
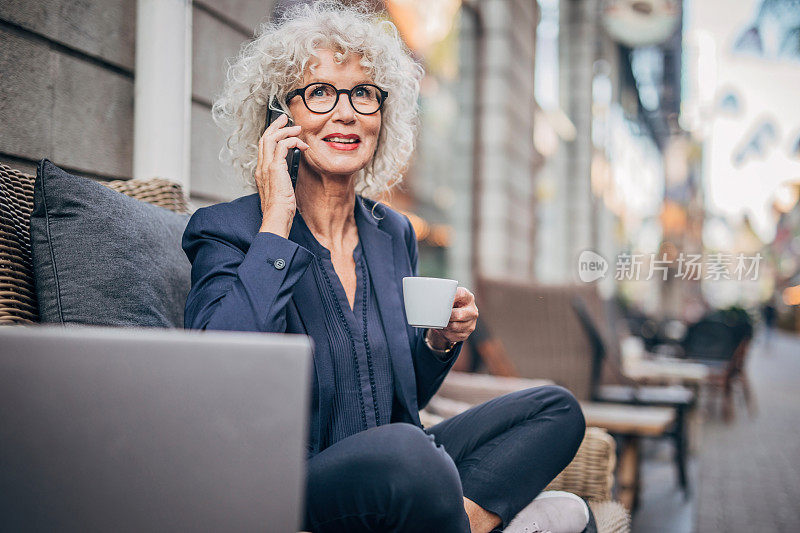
(379, 251)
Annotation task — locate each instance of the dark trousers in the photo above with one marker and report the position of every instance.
(398, 477)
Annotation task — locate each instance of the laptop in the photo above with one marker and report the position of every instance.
(152, 430)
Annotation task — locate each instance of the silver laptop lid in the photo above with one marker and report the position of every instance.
(151, 430)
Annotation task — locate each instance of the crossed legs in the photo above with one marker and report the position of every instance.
(470, 473)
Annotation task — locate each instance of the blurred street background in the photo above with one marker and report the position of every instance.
(645, 150)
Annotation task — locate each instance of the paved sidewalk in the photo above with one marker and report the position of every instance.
(663, 508)
(749, 471)
(745, 476)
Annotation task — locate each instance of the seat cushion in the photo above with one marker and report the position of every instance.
(103, 258)
(672, 395)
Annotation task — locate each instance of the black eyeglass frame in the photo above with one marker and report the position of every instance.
(301, 92)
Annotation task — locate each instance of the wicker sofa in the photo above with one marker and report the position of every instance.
(589, 475)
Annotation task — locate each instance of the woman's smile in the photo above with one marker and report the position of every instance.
(339, 141)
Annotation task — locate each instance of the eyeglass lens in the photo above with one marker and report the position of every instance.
(321, 98)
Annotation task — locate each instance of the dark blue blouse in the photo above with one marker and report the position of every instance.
(362, 369)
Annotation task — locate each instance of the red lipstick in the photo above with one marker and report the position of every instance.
(346, 141)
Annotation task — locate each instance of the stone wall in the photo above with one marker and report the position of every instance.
(67, 84)
(67, 71)
(219, 29)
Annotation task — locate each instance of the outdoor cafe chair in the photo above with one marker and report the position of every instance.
(721, 341)
(682, 399)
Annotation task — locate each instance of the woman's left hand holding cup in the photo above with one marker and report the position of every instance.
(463, 319)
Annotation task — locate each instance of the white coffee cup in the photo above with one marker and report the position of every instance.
(429, 301)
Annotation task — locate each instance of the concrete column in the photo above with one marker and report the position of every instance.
(162, 90)
(506, 108)
(578, 44)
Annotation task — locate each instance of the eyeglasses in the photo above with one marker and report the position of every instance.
(318, 97)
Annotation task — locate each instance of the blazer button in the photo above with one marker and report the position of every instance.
(279, 264)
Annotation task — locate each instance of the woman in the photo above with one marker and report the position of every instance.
(326, 261)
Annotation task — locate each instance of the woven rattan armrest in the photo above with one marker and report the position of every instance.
(590, 475)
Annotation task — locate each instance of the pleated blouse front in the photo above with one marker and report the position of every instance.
(362, 370)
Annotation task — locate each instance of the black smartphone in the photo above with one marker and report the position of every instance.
(293, 158)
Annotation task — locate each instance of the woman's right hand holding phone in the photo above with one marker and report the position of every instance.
(275, 190)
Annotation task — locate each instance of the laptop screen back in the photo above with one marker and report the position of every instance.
(151, 430)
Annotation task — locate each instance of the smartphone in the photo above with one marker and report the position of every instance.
(293, 158)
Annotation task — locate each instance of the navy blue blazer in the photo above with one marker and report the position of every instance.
(243, 280)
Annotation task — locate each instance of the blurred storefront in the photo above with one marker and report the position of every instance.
(548, 129)
(535, 108)
(618, 183)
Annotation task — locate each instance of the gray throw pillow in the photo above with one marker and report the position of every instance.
(103, 258)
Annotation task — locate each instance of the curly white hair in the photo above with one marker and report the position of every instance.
(269, 67)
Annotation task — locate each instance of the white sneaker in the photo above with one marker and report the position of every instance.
(553, 511)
